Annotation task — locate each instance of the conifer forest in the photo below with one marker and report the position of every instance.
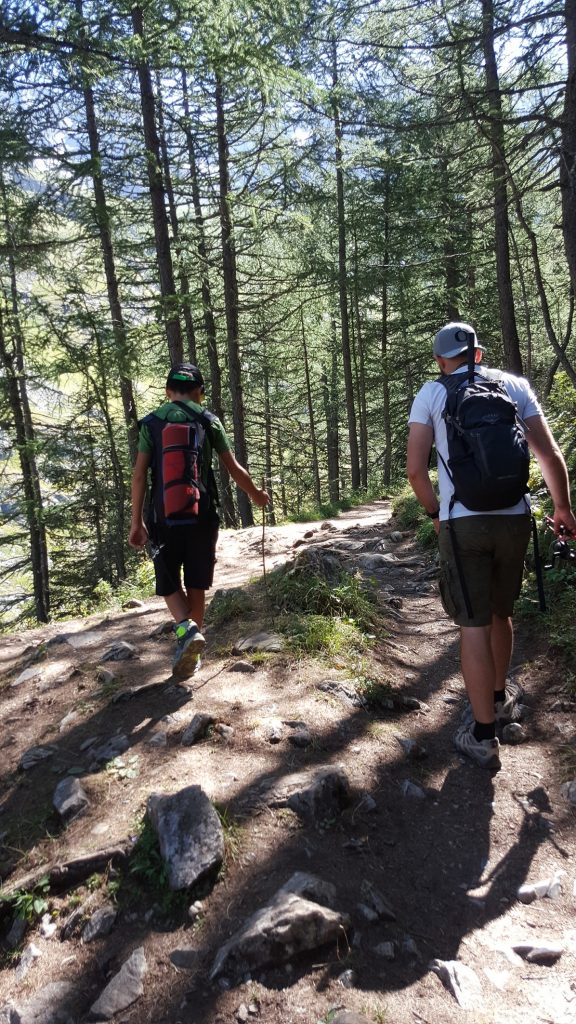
(293, 196)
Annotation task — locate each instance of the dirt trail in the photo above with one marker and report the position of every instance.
(450, 862)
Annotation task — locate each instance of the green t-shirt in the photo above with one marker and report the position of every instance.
(215, 438)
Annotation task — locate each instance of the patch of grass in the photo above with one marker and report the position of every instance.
(318, 634)
(227, 605)
(232, 833)
(568, 760)
(299, 589)
(374, 693)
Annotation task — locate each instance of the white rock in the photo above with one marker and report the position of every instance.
(461, 981)
(568, 791)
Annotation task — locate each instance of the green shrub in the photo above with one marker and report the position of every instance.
(300, 590)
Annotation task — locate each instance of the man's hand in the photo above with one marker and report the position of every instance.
(138, 535)
(564, 522)
(260, 497)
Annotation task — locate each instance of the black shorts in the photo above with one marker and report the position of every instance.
(190, 548)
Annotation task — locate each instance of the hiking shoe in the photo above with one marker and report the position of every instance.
(509, 710)
(188, 647)
(484, 752)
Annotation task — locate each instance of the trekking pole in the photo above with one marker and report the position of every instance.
(268, 601)
(264, 536)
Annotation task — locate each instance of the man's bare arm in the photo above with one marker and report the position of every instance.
(245, 482)
(420, 441)
(554, 471)
(138, 533)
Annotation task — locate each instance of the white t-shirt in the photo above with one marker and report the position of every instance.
(427, 408)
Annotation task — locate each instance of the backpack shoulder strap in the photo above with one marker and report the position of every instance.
(206, 418)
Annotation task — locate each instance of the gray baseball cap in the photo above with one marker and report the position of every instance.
(452, 340)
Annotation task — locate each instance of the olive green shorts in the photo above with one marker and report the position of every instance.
(491, 551)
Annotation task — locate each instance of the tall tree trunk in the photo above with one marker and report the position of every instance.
(216, 400)
(103, 224)
(451, 274)
(12, 359)
(231, 301)
(313, 442)
(175, 226)
(495, 131)
(358, 349)
(157, 199)
(568, 145)
(342, 278)
(384, 349)
(330, 394)
(269, 512)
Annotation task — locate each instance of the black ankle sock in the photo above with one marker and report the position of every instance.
(482, 731)
(500, 695)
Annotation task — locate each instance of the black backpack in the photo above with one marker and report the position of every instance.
(488, 456)
(178, 495)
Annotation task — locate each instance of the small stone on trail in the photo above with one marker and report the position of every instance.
(157, 739)
(101, 923)
(133, 602)
(396, 537)
(30, 954)
(539, 953)
(164, 629)
(412, 748)
(120, 651)
(260, 642)
(195, 909)
(225, 731)
(108, 751)
(184, 959)
(550, 887)
(16, 933)
(125, 987)
(34, 756)
(513, 733)
(348, 978)
(47, 926)
(568, 791)
(243, 666)
(105, 676)
(461, 981)
(197, 729)
(385, 950)
(300, 735)
(70, 799)
(350, 1017)
(412, 791)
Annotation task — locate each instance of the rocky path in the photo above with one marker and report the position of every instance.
(355, 862)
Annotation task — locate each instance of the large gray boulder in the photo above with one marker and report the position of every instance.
(189, 833)
(289, 925)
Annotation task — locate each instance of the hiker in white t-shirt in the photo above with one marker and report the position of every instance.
(481, 554)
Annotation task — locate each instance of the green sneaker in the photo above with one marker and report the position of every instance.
(186, 657)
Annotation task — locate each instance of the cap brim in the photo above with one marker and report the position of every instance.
(457, 351)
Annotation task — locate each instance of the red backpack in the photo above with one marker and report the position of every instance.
(178, 495)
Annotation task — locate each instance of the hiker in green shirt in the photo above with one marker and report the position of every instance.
(176, 443)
